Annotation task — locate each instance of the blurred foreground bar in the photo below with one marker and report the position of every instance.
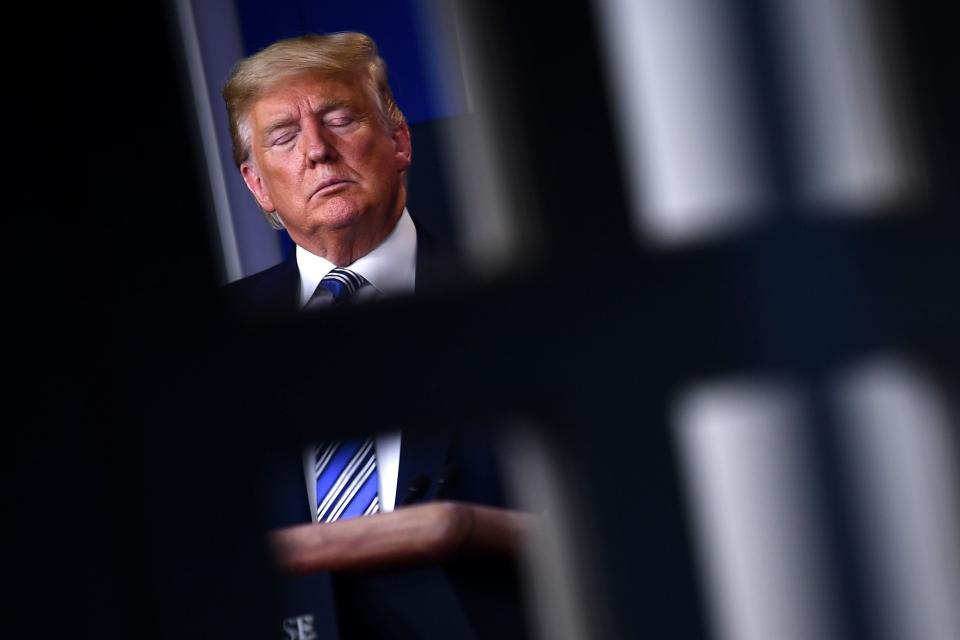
(750, 472)
(899, 442)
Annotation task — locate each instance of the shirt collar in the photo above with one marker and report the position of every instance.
(390, 268)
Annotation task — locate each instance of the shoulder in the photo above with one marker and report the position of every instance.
(439, 264)
(269, 292)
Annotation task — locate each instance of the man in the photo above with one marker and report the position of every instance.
(324, 149)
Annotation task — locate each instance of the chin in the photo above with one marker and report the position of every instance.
(339, 215)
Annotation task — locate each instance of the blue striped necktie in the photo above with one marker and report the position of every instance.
(341, 283)
(346, 471)
(347, 479)
(337, 287)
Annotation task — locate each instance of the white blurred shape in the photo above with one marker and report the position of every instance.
(566, 596)
(850, 134)
(750, 482)
(685, 116)
(901, 455)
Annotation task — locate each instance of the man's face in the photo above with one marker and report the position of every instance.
(324, 160)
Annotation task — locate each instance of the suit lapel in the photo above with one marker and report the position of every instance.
(286, 490)
(437, 264)
(281, 290)
(421, 453)
(426, 452)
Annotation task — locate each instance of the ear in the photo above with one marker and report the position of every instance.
(403, 153)
(255, 183)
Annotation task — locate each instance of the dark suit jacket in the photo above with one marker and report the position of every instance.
(424, 603)
(275, 291)
(467, 600)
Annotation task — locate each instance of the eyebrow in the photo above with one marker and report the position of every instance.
(331, 105)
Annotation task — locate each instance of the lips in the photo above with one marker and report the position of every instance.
(330, 185)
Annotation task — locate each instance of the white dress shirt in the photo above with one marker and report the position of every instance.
(389, 270)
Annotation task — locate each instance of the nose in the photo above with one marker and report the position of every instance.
(319, 147)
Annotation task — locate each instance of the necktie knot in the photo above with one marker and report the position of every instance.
(341, 283)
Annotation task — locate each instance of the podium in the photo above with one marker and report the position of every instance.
(409, 537)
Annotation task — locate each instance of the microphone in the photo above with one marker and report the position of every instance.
(448, 478)
(418, 486)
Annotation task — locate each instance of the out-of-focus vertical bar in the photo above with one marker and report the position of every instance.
(566, 597)
(686, 116)
(493, 214)
(849, 126)
(751, 484)
(901, 457)
(212, 42)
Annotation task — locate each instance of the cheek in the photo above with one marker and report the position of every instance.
(367, 148)
(285, 172)
(366, 154)
(381, 161)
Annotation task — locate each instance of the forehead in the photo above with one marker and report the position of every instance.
(290, 94)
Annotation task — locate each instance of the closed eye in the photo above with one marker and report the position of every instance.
(283, 138)
(339, 117)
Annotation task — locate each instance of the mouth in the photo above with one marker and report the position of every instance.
(331, 185)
